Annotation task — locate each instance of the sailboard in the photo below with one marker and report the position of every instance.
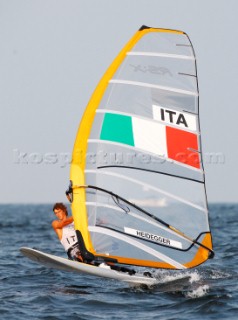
(137, 182)
(55, 262)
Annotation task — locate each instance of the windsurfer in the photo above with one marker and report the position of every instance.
(64, 228)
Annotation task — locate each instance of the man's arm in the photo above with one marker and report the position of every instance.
(56, 224)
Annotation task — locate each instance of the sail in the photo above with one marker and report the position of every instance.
(137, 175)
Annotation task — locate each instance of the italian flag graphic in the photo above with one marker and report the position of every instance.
(151, 136)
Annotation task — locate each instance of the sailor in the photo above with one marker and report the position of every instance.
(64, 228)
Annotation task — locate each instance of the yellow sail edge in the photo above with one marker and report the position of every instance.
(202, 254)
(78, 163)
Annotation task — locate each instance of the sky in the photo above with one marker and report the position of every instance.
(54, 52)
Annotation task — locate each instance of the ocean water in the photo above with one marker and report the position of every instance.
(31, 291)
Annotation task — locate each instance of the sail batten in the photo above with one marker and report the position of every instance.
(157, 54)
(137, 167)
(149, 85)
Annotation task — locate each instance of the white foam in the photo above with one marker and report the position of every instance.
(163, 277)
(217, 274)
(198, 293)
(194, 276)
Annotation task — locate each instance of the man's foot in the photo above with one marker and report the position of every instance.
(104, 265)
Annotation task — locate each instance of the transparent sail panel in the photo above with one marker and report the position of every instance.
(167, 204)
(170, 43)
(139, 99)
(121, 229)
(176, 74)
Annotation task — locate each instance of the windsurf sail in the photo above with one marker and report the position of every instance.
(137, 179)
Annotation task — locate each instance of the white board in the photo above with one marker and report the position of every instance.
(60, 263)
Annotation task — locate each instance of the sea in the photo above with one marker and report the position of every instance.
(31, 291)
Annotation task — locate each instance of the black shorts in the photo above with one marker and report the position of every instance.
(74, 253)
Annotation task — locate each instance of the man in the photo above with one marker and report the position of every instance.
(64, 228)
